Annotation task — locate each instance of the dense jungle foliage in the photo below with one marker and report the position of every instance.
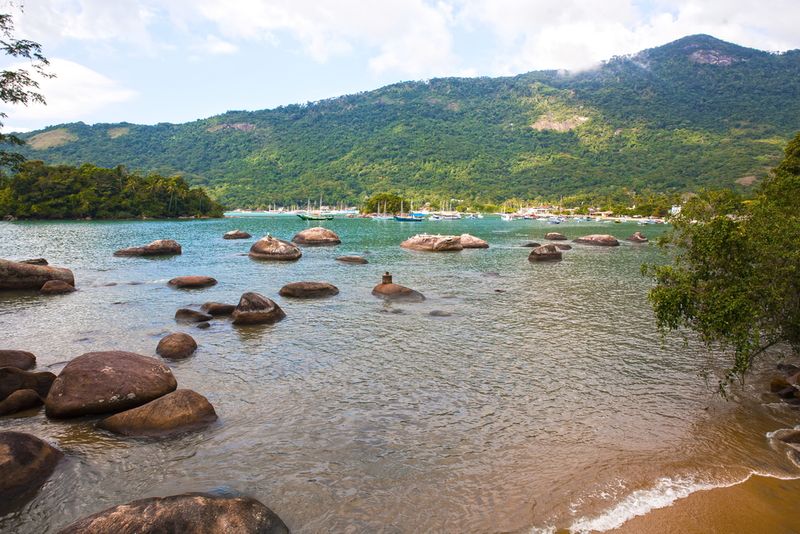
(695, 113)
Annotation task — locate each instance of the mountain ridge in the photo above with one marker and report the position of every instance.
(696, 112)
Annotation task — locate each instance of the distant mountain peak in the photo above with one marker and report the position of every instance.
(703, 49)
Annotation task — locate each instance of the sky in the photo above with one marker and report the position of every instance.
(151, 61)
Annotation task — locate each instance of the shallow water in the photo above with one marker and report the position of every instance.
(544, 405)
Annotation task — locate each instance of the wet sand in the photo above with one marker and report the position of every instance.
(759, 504)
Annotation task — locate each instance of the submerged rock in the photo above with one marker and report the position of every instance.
(601, 240)
(13, 379)
(470, 241)
(217, 308)
(189, 282)
(433, 243)
(179, 411)
(176, 346)
(352, 259)
(545, 253)
(561, 246)
(269, 248)
(555, 236)
(254, 308)
(203, 325)
(18, 275)
(17, 358)
(56, 287)
(25, 463)
(236, 234)
(388, 290)
(531, 244)
(107, 382)
(191, 316)
(440, 313)
(196, 513)
(308, 290)
(637, 237)
(160, 247)
(35, 261)
(22, 399)
(316, 236)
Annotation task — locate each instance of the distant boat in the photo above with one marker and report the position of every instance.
(318, 217)
(408, 217)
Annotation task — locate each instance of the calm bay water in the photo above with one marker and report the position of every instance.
(553, 403)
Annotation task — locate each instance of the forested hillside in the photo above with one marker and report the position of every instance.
(694, 113)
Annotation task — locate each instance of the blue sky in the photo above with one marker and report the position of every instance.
(152, 61)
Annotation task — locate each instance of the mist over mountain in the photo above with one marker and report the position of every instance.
(697, 112)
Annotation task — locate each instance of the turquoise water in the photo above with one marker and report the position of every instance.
(546, 396)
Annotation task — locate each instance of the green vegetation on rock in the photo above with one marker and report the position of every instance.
(39, 191)
(692, 114)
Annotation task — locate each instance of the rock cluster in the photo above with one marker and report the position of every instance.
(160, 247)
(270, 248)
(317, 236)
(19, 275)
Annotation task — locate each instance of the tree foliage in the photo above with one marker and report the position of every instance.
(735, 278)
(39, 191)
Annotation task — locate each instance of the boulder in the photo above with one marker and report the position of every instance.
(236, 234)
(25, 463)
(388, 290)
(531, 244)
(778, 384)
(203, 325)
(198, 513)
(13, 379)
(561, 246)
(35, 261)
(191, 316)
(176, 346)
(308, 290)
(352, 259)
(22, 399)
(273, 249)
(160, 247)
(555, 236)
(17, 358)
(217, 308)
(107, 382)
(545, 253)
(256, 309)
(440, 313)
(637, 237)
(316, 236)
(56, 287)
(787, 435)
(433, 243)
(179, 411)
(189, 282)
(601, 240)
(17, 275)
(470, 241)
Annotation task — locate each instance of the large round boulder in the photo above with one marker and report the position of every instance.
(352, 259)
(17, 358)
(56, 287)
(236, 234)
(256, 309)
(217, 308)
(25, 463)
(308, 290)
(107, 382)
(317, 236)
(188, 315)
(13, 379)
(273, 249)
(545, 253)
(433, 243)
(179, 411)
(18, 275)
(638, 237)
(22, 399)
(160, 247)
(555, 236)
(176, 346)
(470, 241)
(198, 513)
(601, 240)
(190, 282)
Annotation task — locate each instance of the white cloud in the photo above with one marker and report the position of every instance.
(215, 45)
(74, 94)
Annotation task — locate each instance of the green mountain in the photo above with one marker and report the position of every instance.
(698, 112)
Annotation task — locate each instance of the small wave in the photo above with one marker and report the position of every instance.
(663, 494)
